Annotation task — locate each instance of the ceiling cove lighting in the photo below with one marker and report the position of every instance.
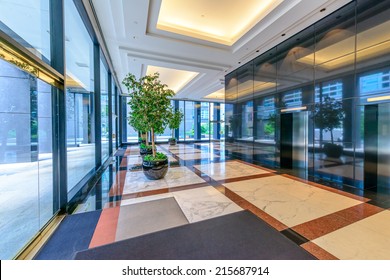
(174, 78)
(378, 98)
(293, 109)
(218, 21)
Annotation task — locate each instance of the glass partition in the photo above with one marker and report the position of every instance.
(79, 97)
(105, 138)
(26, 158)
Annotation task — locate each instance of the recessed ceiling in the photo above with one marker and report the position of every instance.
(219, 21)
(206, 39)
(175, 79)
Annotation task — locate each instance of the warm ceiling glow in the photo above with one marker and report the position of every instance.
(219, 94)
(219, 21)
(371, 42)
(249, 87)
(175, 79)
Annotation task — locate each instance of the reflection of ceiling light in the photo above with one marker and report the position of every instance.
(204, 19)
(293, 109)
(175, 79)
(219, 94)
(371, 42)
(378, 98)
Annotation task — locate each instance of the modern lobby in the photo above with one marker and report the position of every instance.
(282, 153)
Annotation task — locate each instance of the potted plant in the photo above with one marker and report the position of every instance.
(151, 108)
(174, 123)
(328, 115)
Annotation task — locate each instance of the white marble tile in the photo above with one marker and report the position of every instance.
(203, 155)
(197, 204)
(289, 201)
(204, 203)
(177, 176)
(229, 169)
(367, 239)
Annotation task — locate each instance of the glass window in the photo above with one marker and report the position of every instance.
(104, 110)
(204, 121)
(79, 96)
(181, 128)
(28, 22)
(114, 116)
(132, 134)
(189, 120)
(26, 158)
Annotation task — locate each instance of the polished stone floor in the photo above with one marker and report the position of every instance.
(328, 222)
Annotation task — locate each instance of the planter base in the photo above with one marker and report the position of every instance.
(155, 170)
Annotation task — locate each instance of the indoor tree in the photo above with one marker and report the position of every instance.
(150, 105)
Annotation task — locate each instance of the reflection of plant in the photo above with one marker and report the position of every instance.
(174, 121)
(328, 115)
(269, 128)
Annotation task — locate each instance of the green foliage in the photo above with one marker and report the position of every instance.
(149, 103)
(269, 128)
(158, 156)
(329, 114)
(146, 147)
(175, 119)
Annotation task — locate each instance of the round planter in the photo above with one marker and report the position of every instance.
(155, 170)
(144, 152)
(333, 150)
(172, 142)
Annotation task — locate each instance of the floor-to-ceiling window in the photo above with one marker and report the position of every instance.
(114, 113)
(104, 110)
(189, 122)
(28, 22)
(79, 96)
(27, 193)
(181, 128)
(26, 157)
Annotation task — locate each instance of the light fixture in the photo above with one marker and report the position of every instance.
(293, 109)
(378, 98)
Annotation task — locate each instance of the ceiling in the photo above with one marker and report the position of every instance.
(193, 44)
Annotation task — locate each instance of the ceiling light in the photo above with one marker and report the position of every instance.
(224, 26)
(175, 79)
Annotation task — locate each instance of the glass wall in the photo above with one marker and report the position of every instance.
(332, 70)
(104, 110)
(131, 133)
(189, 120)
(79, 97)
(28, 22)
(181, 128)
(26, 158)
(114, 116)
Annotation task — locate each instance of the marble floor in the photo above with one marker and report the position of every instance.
(202, 183)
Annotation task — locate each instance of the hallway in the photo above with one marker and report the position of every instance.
(202, 184)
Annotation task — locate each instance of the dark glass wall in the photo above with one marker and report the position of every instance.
(331, 70)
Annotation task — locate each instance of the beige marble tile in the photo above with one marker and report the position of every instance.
(367, 239)
(204, 203)
(202, 155)
(178, 176)
(229, 169)
(289, 201)
(197, 204)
